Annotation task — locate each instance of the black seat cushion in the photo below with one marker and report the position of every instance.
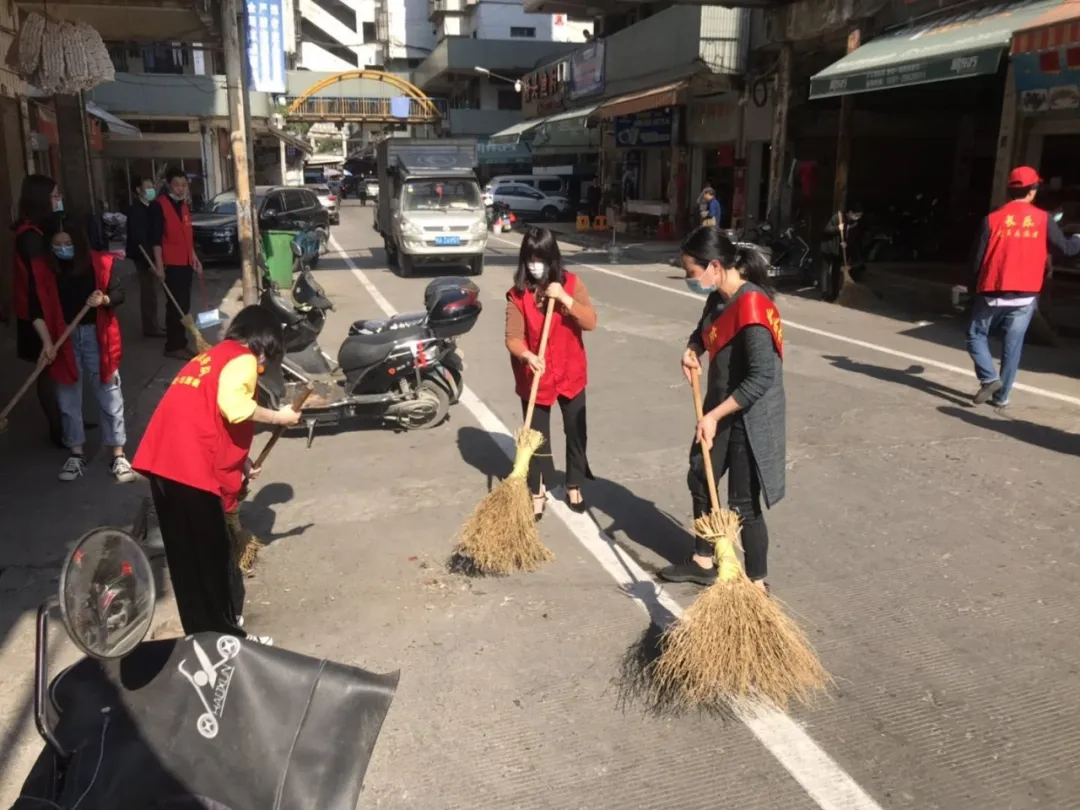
(364, 351)
(400, 327)
(281, 308)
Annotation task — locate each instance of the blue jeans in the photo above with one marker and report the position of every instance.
(1013, 323)
(109, 395)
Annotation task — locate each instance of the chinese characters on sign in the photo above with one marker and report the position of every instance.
(544, 91)
(266, 52)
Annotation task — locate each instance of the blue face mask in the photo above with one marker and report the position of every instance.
(64, 252)
(150, 194)
(695, 285)
(1058, 216)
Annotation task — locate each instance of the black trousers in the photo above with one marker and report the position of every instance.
(543, 463)
(178, 280)
(731, 454)
(206, 579)
(148, 298)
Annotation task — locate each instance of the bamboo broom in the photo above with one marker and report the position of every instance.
(735, 643)
(852, 293)
(500, 536)
(245, 544)
(201, 343)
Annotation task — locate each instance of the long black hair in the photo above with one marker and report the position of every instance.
(707, 244)
(80, 240)
(539, 245)
(35, 199)
(260, 331)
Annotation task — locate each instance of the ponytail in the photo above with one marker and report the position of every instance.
(752, 266)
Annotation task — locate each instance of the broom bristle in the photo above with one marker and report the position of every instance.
(245, 544)
(855, 295)
(736, 643)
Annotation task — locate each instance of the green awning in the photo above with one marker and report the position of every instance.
(951, 46)
(513, 133)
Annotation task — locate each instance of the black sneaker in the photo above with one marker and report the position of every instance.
(986, 390)
(688, 571)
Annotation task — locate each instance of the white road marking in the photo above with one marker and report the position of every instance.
(829, 785)
(914, 358)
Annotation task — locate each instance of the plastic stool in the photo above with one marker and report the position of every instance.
(583, 222)
(600, 223)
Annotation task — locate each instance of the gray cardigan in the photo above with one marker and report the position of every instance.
(750, 369)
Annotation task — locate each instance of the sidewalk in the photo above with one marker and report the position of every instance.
(650, 250)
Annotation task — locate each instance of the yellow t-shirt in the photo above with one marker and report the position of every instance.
(236, 388)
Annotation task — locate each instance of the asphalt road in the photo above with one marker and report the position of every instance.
(929, 547)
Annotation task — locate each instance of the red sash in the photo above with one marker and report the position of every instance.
(749, 309)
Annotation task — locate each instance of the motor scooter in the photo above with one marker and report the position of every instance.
(404, 371)
(182, 722)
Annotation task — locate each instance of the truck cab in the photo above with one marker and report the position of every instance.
(431, 212)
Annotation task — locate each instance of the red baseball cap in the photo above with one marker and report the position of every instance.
(1024, 177)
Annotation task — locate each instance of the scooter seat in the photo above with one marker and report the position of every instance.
(405, 325)
(281, 308)
(364, 351)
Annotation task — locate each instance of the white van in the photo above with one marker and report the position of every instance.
(550, 184)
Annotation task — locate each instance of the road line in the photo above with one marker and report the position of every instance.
(914, 358)
(829, 785)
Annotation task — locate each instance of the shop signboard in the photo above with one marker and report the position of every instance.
(716, 119)
(543, 91)
(587, 71)
(266, 52)
(1048, 81)
(503, 154)
(644, 129)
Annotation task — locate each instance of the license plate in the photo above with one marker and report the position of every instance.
(447, 240)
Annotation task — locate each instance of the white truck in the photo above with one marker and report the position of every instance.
(430, 210)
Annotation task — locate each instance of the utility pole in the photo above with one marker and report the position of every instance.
(237, 93)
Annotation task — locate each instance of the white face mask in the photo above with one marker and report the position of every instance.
(536, 269)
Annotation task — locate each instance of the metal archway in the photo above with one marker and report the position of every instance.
(309, 105)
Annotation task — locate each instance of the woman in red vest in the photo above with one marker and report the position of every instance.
(540, 276)
(72, 276)
(39, 204)
(195, 453)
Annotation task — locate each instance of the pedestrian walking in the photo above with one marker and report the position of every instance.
(74, 275)
(1010, 265)
(139, 246)
(541, 275)
(40, 204)
(173, 242)
(709, 207)
(195, 453)
(744, 422)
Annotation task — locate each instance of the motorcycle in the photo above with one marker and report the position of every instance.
(183, 723)
(500, 218)
(787, 254)
(404, 371)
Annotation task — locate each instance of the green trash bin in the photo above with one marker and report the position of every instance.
(277, 248)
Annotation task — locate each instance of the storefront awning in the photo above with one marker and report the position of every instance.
(666, 96)
(953, 46)
(1059, 27)
(513, 134)
(116, 126)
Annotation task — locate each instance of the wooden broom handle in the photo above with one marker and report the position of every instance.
(161, 281)
(706, 454)
(843, 239)
(42, 366)
(543, 351)
(297, 404)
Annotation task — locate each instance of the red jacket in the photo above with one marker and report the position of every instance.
(566, 369)
(20, 282)
(64, 369)
(188, 439)
(1016, 253)
(178, 241)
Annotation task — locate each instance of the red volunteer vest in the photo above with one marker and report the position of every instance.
(178, 241)
(566, 373)
(20, 282)
(188, 440)
(749, 309)
(64, 370)
(1015, 258)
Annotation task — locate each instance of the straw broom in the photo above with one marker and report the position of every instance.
(735, 643)
(185, 317)
(500, 536)
(245, 544)
(852, 293)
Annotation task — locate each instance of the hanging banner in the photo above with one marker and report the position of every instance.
(266, 51)
(587, 70)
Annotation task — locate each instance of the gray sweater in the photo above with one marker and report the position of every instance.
(750, 370)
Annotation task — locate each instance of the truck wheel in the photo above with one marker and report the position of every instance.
(405, 264)
(476, 266)
(391, 256)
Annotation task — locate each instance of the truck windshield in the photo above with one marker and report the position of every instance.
(441, 195)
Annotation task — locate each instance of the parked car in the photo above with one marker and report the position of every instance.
(528, 203)
(329, 201)
(286, 208)
(550, 184)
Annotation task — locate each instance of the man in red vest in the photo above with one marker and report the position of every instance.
(173, 242)
(1010, 260)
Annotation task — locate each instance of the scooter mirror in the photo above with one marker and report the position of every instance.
(107, 593)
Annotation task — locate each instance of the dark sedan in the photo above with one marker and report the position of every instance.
(285, 208)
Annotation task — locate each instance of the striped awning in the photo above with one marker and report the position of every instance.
(1058, 27)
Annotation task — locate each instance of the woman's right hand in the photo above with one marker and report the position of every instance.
(48, 353)
(690, 363)
(535, 362)
(287, 416)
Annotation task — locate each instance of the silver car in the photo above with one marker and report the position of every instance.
(329, 201)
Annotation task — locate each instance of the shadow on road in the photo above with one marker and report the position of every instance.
(260, 517)
(1044, 436)
(911, 377)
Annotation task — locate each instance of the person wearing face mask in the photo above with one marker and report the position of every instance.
(195, 453)
(75, 275)
(832, 252)
(174, 256)
(541, 276)
(139, 246)
(743, 428)
(40, 205)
